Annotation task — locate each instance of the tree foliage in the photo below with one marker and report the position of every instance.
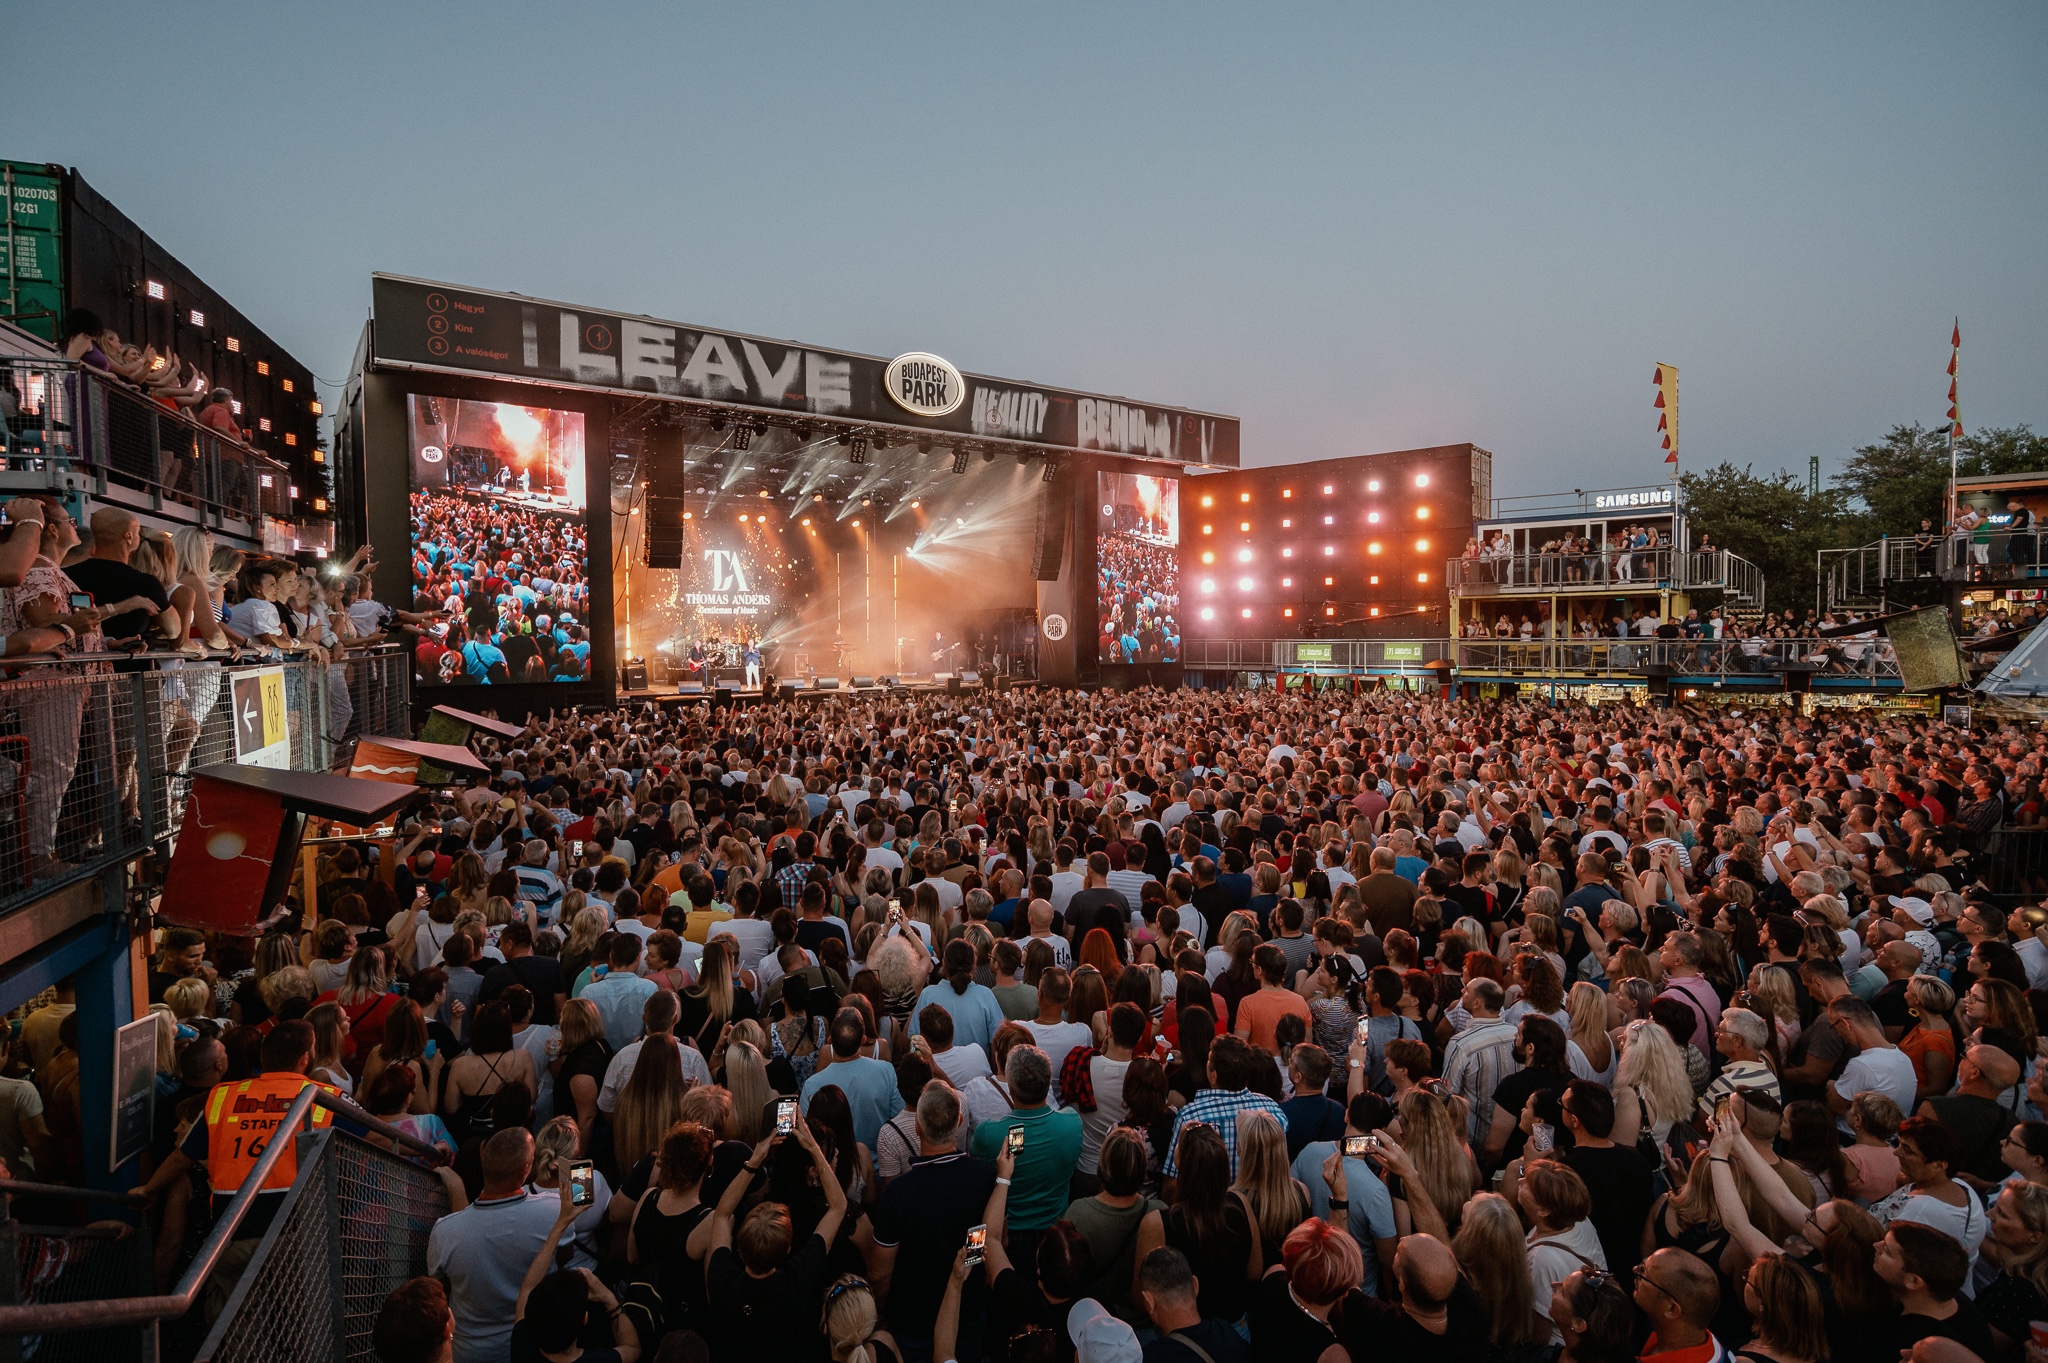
(1769, 519)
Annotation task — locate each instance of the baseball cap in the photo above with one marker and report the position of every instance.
(1918, 909)
(1100, 1337)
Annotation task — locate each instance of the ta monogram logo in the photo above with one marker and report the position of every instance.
(727, 572)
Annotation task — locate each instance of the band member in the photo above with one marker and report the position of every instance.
(753, 656)
(940, 649)
(695, 661)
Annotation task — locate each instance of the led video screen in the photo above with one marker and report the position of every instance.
(499, 542)
(1137, 557)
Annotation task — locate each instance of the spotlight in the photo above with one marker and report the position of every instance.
(1244, 556)
(1422, 546)
(858, 450)
(807, 520)
(988, 454)
(1372, 485)
(924, 444)
(856, 524)
(1208, 500)
(1287, 582)
(1329, 520)
(1208, 613)
(1244, 496)
(1246, 612)
(1244, 526)
(718, 421)
(1208, 556)
(1422, 480)
(960, 456)
(867, 501)
(1208, 586)
(1372, 518)
(1328, 490)
(800, 429)
(1287, 522)
(1052, 472)
(1244, 584)
(1422, 577)
(1421, 513)
(741, 437)
(1286, 492)
(845, 437)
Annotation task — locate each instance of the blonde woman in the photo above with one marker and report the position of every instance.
(189, 998)
(852, 1334)
(714, 1000)
(1587, 1005)
(330, 1047)
(1492, 1250)
(560, 1144)
(1772, 987)
(746, 1078)
(1652, 1071)
(1432, 1136)
(1275, 1198)
(585, 928)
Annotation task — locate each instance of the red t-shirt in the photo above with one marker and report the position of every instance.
(218, 416)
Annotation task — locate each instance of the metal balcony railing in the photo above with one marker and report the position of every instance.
(1308, 655)
(94, 763)
(1868, 575)
(1869, 660)
(77, 428)
(1608, 569)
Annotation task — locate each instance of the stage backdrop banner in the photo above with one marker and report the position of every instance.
(438, 326)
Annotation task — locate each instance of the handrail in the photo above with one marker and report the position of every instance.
(171, 655)
(44, 1317)
(17, 1187)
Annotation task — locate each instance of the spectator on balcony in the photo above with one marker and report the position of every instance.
(255, 617)
(51, 716)
(79, 340)
(2019, 534)
(132, 603)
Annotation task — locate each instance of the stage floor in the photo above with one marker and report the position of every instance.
(669, 695)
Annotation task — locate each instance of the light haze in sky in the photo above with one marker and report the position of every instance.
(1356, 227)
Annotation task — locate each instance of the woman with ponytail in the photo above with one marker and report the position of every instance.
(975, 1011)
(849, 1325)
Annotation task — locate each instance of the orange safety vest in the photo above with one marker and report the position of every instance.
(240, 1120)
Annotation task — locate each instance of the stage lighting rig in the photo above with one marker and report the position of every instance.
(1052, 471)
(924, 444)
(961, 454)
(741, 437)
(857, 449)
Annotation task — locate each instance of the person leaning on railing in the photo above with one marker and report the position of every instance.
(18, 554)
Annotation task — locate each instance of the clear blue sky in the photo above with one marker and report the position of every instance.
(1356, 227)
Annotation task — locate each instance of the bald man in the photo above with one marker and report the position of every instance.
(1436, 1313)
(1040, 917)
(1977, 1115)
(1679, 1294)
(132, 601)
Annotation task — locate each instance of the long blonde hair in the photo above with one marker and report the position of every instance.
(1587, 1005)
(714, 980)
(650, 1102)
(849, 1320)
(1654, 1067)
(1442, 1163)
(1494, 1254)
(558, 1142)
(1264, 1179)
(584, 929)
(746, 1078)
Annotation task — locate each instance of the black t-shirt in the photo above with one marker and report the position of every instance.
(1889, 1003)
(1514, 1091)
(1087, 906)
(925, 1214)
(109, 582)
(1376, 1328)
(1219, 1266)
(1283, 1332)
(766, 1318)
(524, 1350)
(540, 974)
(1015, 1304)
(1221, 1342)
(1621, 1183)
(1473, 900)
(1979, 1125)
(2008, 1303)
(1966, 1327)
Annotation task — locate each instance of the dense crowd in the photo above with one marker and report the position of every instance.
(512, 585)
(1173, 1025)
(1137, 600)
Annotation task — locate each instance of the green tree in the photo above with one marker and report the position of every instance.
(2002, 451)
(1769, 519)
(1896, 481)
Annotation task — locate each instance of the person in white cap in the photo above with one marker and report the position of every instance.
(1919, 926)
(1100, 1337)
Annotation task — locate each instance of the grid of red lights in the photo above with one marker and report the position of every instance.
(1379, 529)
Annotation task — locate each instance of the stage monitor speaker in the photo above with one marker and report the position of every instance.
(788, 690)
(634, 676)
(689, 688)
(1049, 542)
(863, 682)
(942, 678)
(952, 686)
(722, 696)
(970, 679)
(828, 683)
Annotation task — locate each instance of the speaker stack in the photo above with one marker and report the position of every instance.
(667, 467)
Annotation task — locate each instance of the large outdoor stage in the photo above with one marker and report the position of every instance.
(600, 505)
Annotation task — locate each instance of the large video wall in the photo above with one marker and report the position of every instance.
(500, 541)
(1137, 547)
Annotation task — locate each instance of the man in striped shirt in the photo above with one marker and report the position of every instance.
(539, 889)
(1482, 1055)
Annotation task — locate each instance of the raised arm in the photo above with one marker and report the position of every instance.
(544, 1261)
(729, 1200)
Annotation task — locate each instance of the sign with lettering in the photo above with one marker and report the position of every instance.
(1315, 653)
(1401, 653)
(437, 326)
(1624, 501)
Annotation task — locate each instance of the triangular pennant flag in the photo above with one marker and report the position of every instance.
(1672, 457)
(1658, 377)
(1951, 366)
(1660, 399)
(1956, 341)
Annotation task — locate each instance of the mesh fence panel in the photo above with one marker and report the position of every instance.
(67, 1265)
(387, 1207)
(357, 1226)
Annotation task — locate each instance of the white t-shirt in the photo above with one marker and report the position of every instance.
(1062, 954)
(1108, 1076)
(1057, 1039)
(1888, 1071)
(695, 1071)
(962, 1065)
(884, 857)
(1065, 885)
(756, 938)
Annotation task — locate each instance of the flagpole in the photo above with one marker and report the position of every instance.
(1955, 412)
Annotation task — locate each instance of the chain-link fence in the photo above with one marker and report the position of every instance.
(353, 1227)
(72, 1264)
(94, 763)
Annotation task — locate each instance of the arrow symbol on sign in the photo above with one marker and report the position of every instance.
(249, 715)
